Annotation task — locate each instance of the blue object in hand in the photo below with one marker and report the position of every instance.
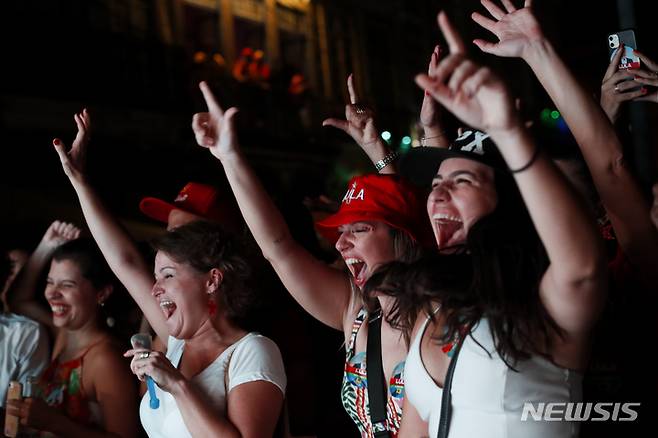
(143, 340)
(154, 402)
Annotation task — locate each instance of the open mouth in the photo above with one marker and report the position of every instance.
(358, 269)
(446, 229)
(168, 308)
(59, 310)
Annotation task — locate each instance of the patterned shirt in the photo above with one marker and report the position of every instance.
(354, 392)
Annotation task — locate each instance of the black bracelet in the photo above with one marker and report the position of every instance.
(532, 160)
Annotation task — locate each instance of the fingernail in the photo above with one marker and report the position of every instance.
(427, 93)
(56, 142)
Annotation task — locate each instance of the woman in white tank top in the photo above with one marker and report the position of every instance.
(521, 285)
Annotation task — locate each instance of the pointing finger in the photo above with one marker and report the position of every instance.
(211, 102)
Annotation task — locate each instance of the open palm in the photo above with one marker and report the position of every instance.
(516, 29)
(471, 92)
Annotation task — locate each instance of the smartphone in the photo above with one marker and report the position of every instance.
(626, 37)
(14, 392)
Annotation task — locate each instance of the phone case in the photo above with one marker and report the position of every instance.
(14, 392)
(627, 38)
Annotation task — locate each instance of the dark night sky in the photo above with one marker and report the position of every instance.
(54, 63)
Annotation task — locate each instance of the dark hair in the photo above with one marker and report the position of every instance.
(89, 259)
(5, 268)
(203, 246)
(503, 261)
(406, 249)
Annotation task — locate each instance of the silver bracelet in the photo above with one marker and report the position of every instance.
(388, 159)
(423, 138)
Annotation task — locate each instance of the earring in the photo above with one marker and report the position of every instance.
(212, 307)
(101, 303)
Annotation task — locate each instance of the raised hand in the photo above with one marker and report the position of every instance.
(430, 111)
(359, 120)
(516, 29)
(58, 233)
(471, 92)
(616, 85)
(647, 76)
(215, 129)
(74, 161)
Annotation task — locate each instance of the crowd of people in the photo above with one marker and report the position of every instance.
(473, 282)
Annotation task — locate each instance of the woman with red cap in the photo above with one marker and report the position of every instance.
(379, 221)
(520, 313)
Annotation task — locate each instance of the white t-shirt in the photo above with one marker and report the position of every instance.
(252, 358)
(24, 351)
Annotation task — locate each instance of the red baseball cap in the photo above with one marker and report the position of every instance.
(382, 198)
(196, 198)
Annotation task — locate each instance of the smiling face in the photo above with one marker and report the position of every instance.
(73, 299)
(463, 191)
(364, 246)
(182, 293)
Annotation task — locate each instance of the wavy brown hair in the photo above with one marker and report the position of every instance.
(203, 246)
(495, 276)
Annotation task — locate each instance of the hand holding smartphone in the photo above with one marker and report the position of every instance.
(626, 40)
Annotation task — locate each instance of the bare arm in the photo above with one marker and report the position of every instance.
(117, 247)
(23, 292)
(573, 288)
(253, 411)
(323, 291)
(115, 392)
(520, 35)
(430, 112)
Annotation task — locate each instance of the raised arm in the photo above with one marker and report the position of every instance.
(520, 35)
(323, 291)
(434, 133)
(573, 287)
(23, 294)
(360, 124)
(117, 247)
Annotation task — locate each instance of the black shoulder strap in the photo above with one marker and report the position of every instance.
(376, 383)
(446, 398)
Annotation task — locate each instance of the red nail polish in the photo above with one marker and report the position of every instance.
(644, 90)
(427, 93)
(56, 142)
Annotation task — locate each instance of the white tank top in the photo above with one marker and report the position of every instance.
(487, 396)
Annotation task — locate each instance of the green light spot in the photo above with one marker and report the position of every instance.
(555, 115)
(406, 140)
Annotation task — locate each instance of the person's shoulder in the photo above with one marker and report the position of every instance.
(105, 356)
(255, 342)
(20, 328)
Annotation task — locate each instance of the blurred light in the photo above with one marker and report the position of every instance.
(415, 143)
(406, 140)
(555, 114)
(545, 115)
(386, 135)
(562, 126)
(199, 57)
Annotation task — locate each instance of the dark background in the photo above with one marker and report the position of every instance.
(135, 64)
